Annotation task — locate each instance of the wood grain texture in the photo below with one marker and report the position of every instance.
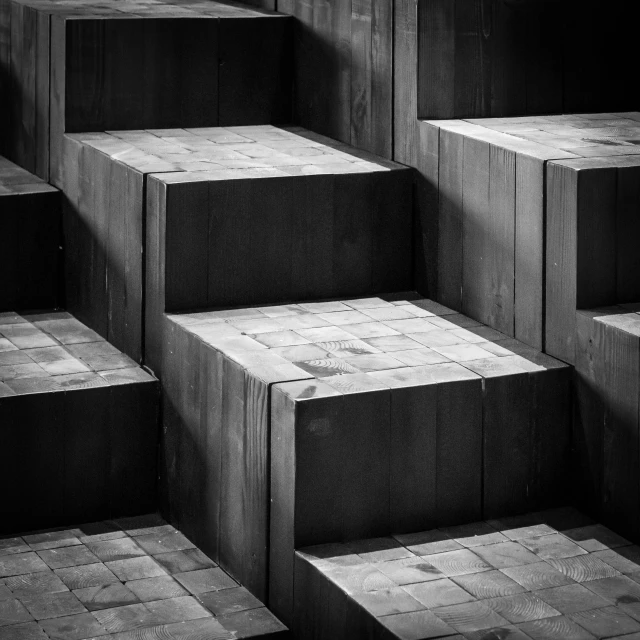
(627, 228)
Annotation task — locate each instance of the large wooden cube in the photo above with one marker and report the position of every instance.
(93, 66)
(510, 206)
(225, 216)
(79, 425)
(317, 422)
(29, 240)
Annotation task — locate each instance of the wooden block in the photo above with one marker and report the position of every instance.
(628, 278)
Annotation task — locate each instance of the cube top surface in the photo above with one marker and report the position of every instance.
(228, 153)
(148, 9)
(44, 352)
(625, 317)
(589, 139)
(14, 180)
(369, 344)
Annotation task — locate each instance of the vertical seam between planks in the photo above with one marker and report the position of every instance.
(515, 235)
(543, 319)
(143, 271)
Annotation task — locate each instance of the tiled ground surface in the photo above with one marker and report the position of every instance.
(367, 343)
(219, 153)
(543, 576)
(129, 579)
(54, 351)
(15, 180)
(587, 135)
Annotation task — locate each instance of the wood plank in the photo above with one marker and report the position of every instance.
(413, 458)
(529, 250)
(361, 73)
(627, 228)
(57, 101)
(436, 59)
(451, 219)
(9, 253)
(459, 447)
(255, 76)
(42, 94)
(5, 74)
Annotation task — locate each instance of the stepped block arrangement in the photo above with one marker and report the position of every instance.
(368, 416)
(499, 59)
(226, 216)
(516, 246)
(91, 66)
(130, 578)
(29, 240)
(607, 401)
(79, 424)
(540, 577)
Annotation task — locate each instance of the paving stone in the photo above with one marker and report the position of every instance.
(573, 598)
(106, 596)
(518, 527)
(20, 563)
(438, 593)
(457, 563)
(584, 568)
(158, 588)
(68, 556)
(93, 530)
(409, 570)
(606, 622)
(77, 627)
(537, 576)
(177, 609)
(624, 559)
(552, 546)
(13, 611)
(53, 539)
(205, 628)
(35, 583)
(565, 518)
(25, 631)
(488, 584)
(470, 617)
(379, 550)
(559, 628)
(162, 543)
(5, 592)
(53, 605)
(618, 590)
(506, 632)
(205, 580)
(506, 554)
(596, 537)
(140, 525)
(118, 549)
(358, 578)
(88, 575)
(387, 601)
(252, 623)
(135, 568)
(418, 625)
(522, 607)
(229, 601)
(183, 561)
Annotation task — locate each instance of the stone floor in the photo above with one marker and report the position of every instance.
(533, 577)
(128, 579)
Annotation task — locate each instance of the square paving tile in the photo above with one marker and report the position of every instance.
(177, 609)
(624, 559)
(106, 596)
(488, 584)
(140, 525)
(68, 556)
(573, 598)
(52, 540)
(35, 583)
(24, 631)
(552, 546)
(559, 628)
(53, 605)
(229, 601)
(438, 593)
(418, 625)
(205, 580)
(457, 563)
(252, 623)
(118, 549)
(183, 561)
(13, 611)
(409, 570)
(133, 616)
(379, 550)
(606, 622)
(470, 617)
(584, 568)
(540, 575)
(20, 563)
(163, 543)
(11, 546)
(596, 537)
(505, 632)
(506, 554)
(77, 627)
(428, 542)
(135, 568)
(357, 578)
(158, 588)
(387, 602)
(522, 607)
(88, 575)
(474, 535)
